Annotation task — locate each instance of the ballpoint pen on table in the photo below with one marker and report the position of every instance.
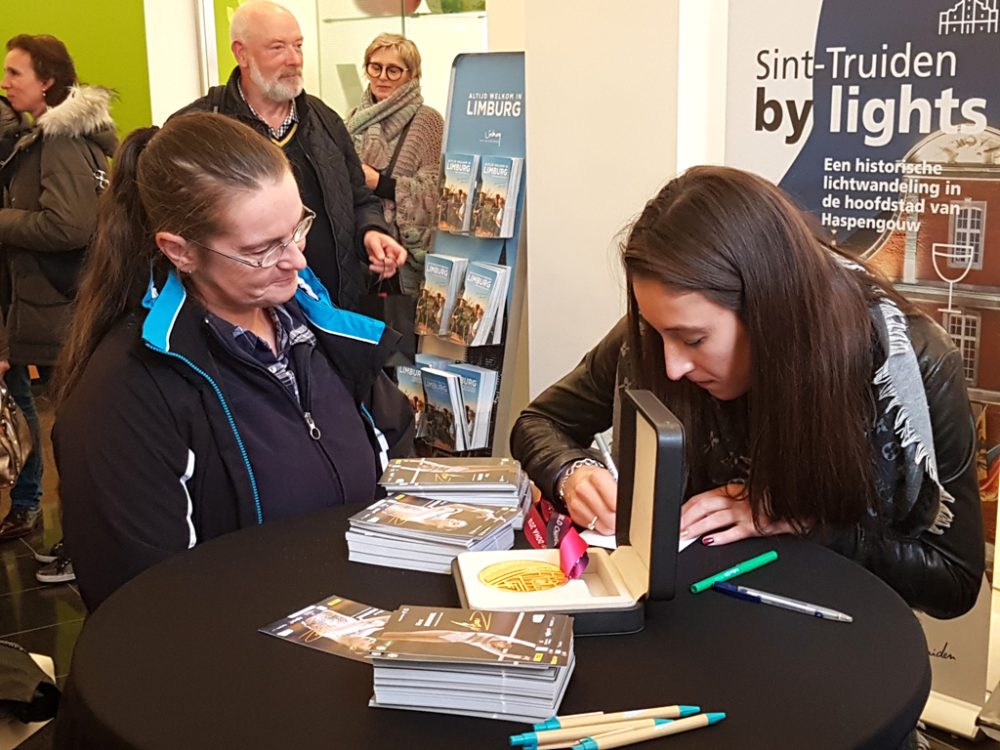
(763, 597)
(620, 739)
(599, 717)
(609, 462)
(549, 739)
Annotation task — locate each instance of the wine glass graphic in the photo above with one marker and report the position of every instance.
(960, 254)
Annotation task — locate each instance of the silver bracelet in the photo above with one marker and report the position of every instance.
(568, 472)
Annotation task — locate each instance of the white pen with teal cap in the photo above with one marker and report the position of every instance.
(630, 737)
(598, 717)
(544, 737)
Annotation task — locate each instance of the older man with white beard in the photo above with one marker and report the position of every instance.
(265, 92)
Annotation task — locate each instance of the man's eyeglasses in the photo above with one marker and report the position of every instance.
(392, 72)
(270, 255)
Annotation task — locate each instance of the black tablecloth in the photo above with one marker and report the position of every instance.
(174, 660)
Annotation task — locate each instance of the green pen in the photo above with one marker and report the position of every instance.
(739, 569)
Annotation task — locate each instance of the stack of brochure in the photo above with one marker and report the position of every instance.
(417, 533)
(479, 387)
(443, 277)
(443, 423)
(459, 173)
(492, 481)
(498, 665)
(495, 203)
(477, 316)
(411, 383)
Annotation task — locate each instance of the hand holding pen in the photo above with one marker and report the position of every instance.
(590, 493)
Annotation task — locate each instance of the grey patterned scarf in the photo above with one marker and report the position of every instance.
(375, 126)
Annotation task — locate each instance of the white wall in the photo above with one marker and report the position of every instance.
(701, 83)
(601, 111)
(172, 51)
(505, 25)
(345, 33)
(305, 13)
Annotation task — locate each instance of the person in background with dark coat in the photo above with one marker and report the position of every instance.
(51, 176)
(265, 92)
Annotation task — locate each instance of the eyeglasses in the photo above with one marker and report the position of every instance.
(392, 72)
(272, 253)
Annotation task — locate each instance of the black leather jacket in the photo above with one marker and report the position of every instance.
(937, 573)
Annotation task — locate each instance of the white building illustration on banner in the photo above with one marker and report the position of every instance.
(969, 17)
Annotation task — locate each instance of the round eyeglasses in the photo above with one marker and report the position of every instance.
(392, 72)
(270, 255)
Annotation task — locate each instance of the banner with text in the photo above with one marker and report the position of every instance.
(883, 120)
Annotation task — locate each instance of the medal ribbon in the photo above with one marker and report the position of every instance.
(547, 528)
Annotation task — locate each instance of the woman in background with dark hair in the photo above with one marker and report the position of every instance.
(52, 174)
(815, 400)
(208, 383)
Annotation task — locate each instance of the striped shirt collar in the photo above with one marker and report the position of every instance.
(247, 346)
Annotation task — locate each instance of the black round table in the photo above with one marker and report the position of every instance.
(174, 660)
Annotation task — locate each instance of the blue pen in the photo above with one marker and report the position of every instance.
(763, 597)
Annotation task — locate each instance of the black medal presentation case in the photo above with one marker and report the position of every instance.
(609, 598)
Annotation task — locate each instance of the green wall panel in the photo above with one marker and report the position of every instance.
(106, 39)
(224, 10)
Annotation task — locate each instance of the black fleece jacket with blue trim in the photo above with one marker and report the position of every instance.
(150, 457)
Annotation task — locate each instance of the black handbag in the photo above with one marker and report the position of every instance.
(26, 692)
(385, 301)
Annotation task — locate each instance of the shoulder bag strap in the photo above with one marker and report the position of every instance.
(399, 146)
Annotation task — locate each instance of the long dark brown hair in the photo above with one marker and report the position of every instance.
(178, 179)
(742, 243)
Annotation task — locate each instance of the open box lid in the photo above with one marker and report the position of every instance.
(650, 492)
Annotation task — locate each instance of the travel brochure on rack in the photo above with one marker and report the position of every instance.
(470, 272)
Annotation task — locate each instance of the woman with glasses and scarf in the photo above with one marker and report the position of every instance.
(208, 383)
(398, 139)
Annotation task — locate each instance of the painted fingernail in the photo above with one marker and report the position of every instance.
(708, 541)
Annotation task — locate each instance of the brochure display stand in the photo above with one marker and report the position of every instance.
(482, 224)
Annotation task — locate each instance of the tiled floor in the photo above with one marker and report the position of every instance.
(47, 618)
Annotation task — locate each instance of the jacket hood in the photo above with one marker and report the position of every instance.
(84, 113)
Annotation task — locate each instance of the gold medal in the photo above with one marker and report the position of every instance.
(522, 576)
